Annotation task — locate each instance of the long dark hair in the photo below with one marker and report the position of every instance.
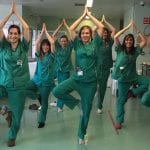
(85, 27)
(132, 49)
(44, 41)
(108, 34)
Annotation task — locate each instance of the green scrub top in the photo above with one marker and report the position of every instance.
(63, 57)
(85, 59)
(44, 73)
(125, 66)
(14, 70)
(104, 53)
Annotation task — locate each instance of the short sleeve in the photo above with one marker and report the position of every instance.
(76, 42)
(118, 48)
(25, 44)
(138, 50)
(57, 45)
(97, 39)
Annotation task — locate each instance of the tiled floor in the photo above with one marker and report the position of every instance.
(60, 132)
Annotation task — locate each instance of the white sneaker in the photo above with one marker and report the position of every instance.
(54, 104)
(4, 110)
(81, 141)
(60, 110)
(39, 108)
(99, 111)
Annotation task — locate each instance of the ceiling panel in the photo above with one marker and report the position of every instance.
(67, 8)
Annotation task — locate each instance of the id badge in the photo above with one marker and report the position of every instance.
(19, 62)
(121, 68)
(80, 73)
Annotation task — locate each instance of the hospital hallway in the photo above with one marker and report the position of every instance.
(60, 131)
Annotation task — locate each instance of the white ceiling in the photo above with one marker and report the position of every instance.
(67, 8)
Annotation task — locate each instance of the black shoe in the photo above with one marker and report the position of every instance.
(41, 125)
(33, 107)
(11, 143)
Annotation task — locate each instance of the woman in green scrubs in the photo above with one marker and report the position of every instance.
(104, 61)
(84, 79)
(63, 49)
(125, 70)
(43, 79)
(14, 71)
(145, 100)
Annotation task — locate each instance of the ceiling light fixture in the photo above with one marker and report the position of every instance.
(89, 3)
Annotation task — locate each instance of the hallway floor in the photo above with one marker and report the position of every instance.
(60, 132)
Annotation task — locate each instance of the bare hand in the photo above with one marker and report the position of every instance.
(103, 18)
(11, 9)
(14, 9)
(85, 11)
(43, 27)
(64, 21)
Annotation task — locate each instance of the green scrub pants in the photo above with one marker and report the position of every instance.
(61, 77)
(123, 88)
(103, 75)
(86, 92)
(16, 100)
(145, 100)
(44, 91)
(3, 92)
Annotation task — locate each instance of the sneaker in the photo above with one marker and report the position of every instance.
(53, 104)
(39, 108)
(118, 126)
(99, 111)
(11, 143)
(81, 141)
(4, 110)
(33, 107)
(41, 125)
(60, 110)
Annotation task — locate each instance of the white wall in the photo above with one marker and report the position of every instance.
(140, 13)
(32, 66)
(5, 9)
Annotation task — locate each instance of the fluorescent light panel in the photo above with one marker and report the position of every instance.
(89, 3)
